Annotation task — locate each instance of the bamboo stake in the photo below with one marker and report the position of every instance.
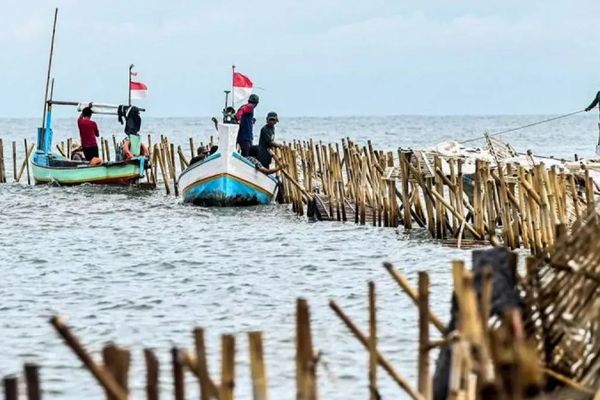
(11, 388)
(152, 372)
(306, 388)
(105, 379)
(178, 377)
(207, 387)
(25, 164)
(374, 393)
(424, 383)
(14, 157)
(27, 155)
(32, 378)
(116, 363)
(227, 367)
(192, 152)
(161, 164)
(257, 366)
(403, 383)
(2, 167)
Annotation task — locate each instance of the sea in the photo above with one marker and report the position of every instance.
(141, 269)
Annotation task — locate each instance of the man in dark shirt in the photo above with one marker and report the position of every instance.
(245, 117)
(201, 155)
(88, 132)
(594, 102)
(267, 139)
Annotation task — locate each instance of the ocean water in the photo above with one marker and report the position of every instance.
(142, 269)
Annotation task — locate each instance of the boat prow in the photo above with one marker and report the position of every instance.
(226, 178)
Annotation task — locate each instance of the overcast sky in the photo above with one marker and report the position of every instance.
(311, 57)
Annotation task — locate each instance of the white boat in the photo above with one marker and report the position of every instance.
(226, 178)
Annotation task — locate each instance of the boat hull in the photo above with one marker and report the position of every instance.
(225, 180)
(116, 173)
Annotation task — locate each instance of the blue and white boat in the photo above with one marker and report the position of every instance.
(226, 178)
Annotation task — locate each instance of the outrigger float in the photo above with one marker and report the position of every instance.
(49, 167)
(226, 178)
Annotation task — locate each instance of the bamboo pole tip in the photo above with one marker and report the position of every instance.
(57, 321)
(388, 266)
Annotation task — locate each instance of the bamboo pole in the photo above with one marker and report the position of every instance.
(105, 379)
(27, 155)
(2, 166)
(116, 363)
(11, 388)
(163, 168)
(403, 383)
(227, 367)
(257, 366)
(306, 379)
(32, 378)
(178, 377)
(374, 393)
(152, 373)
(207, 387)
(424, 382)
(14, 157)
(25, 164)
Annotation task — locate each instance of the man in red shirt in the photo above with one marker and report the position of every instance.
(88, 132)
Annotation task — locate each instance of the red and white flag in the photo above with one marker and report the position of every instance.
(242, 88)
(138, 90)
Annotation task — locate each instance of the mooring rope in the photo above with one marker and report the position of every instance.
(524, 126)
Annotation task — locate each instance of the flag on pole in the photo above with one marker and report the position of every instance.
(242, 88)
(138, 90)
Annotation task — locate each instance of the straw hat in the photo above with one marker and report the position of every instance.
(74, 146)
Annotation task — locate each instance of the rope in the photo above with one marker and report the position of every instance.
(525, 126)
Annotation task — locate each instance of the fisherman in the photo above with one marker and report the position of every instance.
(594, 102)
(266, 141)
(245, 117)
(77, 153)
(88, 132)
(202, 153)
(257, 164)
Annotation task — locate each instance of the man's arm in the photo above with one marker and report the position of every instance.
(96, 130)
(594, 103)
(240, 113)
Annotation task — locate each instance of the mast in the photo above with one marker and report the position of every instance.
(129, 85)
(232, 89)
(49, 68)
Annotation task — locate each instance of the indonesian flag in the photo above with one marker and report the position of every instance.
(137, 89)
(242, 88)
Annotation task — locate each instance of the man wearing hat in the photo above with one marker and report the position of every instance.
(267, 139)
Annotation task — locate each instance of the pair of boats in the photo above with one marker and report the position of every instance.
(225, 178)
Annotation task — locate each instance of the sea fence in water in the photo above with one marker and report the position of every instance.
(511, 335)
(516, 204)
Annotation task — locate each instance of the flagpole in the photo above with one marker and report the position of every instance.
(232, 89)
(129, 86)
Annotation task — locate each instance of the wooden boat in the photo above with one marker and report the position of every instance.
(226, 178)
(48, 167)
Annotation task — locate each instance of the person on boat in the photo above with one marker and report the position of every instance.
(257, 164)
(245, 117)
(88, 132)
(77, 153)
(201, 155)
(126, 148)
(266, 141)
(594, 103)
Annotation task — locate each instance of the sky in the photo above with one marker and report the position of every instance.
(309, 57)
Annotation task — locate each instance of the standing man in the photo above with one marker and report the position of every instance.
(267, 140)
(594, 102)
(245, 117)
(88, 132)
